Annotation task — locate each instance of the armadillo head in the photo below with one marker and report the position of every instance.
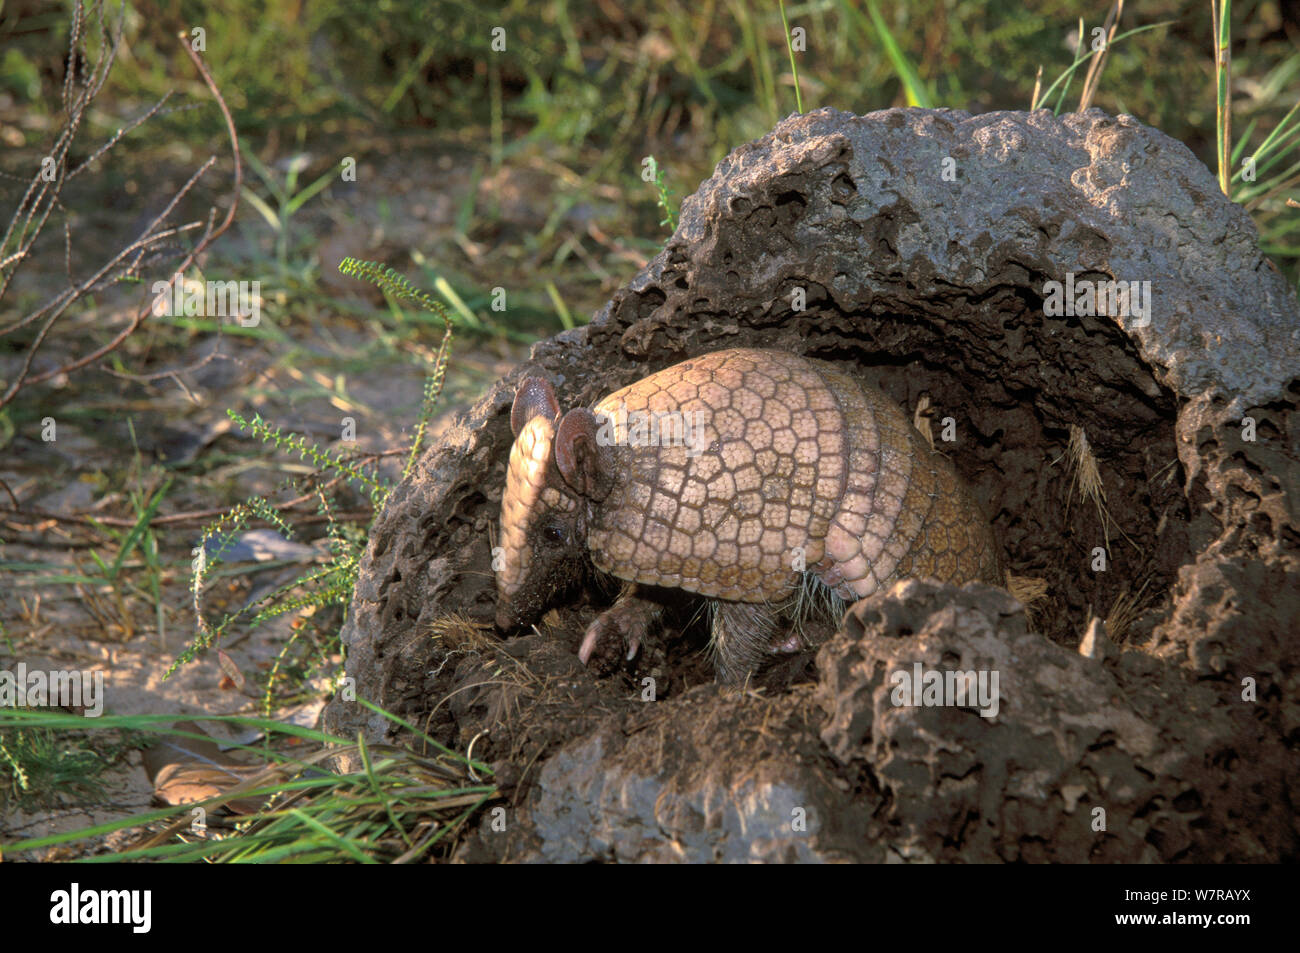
(558, 472)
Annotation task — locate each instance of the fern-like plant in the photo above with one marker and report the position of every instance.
(391, 283)
(332, 582)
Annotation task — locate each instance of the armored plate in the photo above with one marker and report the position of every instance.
(739, 469)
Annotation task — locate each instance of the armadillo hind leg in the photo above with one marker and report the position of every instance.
(745, 634)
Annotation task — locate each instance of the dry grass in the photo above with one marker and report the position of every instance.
(1029, 591)
(458, 632)
(1086, 483)
(1085, 475)
(1124, 611)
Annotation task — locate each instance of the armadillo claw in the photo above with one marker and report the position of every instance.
(627, 622)
(599, 630)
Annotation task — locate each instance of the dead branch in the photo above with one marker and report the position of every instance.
(42, 198)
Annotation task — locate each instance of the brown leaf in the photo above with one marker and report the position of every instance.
(186, 770)
(231, 669)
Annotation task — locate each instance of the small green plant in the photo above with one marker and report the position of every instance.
(331, 583)
(145, 500)
(288, 199)
(656, 175)
(397, 286)
(1272, 170)
(40, 766)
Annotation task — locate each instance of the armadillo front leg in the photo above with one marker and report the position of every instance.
(745, 634)
(629, 620)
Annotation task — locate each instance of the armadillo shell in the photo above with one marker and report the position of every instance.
(762, 464)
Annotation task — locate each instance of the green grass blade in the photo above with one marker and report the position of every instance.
(141, 524)
(913, 88)
(310, 192)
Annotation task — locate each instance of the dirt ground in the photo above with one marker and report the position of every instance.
(122, 434)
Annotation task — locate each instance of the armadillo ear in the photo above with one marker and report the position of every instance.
(534, 396)
(585, 465)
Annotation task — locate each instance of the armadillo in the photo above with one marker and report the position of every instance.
(741, 476)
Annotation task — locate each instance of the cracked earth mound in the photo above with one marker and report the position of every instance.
(923, 244)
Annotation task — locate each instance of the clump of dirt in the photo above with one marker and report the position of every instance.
(917, 249)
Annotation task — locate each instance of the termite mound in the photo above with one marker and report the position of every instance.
(917, 248)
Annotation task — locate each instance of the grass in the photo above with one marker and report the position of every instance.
(401, 806)
(794, 63)
(706, 75)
